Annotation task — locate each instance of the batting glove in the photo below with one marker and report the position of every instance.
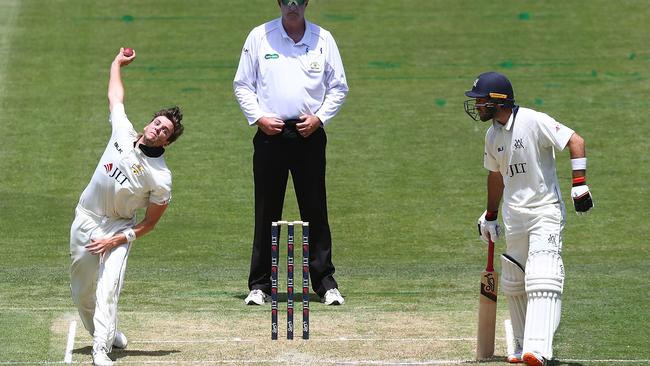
(581, 196)
(488, 226)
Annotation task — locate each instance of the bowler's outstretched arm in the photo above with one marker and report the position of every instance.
(115, 86)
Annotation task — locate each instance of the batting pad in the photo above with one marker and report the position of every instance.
(512, 285)
(544, 285)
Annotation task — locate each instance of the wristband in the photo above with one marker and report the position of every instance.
(130, 235)
(491, 215)
(579, 181)
(579, 164)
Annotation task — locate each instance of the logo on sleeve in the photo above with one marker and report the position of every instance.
(117, 147)
(271, 56)
(500, 149)
(108, 167)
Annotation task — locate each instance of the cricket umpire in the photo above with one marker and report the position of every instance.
(520, 157)
(290, 83)
(131, 174)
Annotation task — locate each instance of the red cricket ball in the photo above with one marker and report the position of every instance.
(128, 52)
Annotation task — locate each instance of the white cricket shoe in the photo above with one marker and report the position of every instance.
(516, 357)
(100, 357)
(333, 297)
(256, 297)
(120, 340)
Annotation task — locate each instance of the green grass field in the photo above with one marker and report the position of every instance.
(405, 176)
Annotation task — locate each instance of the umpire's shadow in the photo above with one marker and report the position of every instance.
(119, 353)
(282, 297)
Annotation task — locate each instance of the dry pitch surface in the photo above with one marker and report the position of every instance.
(242, 336)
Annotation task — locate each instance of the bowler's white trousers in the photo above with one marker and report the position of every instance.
(96, 281)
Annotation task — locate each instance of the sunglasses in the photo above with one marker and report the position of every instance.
(293, 2)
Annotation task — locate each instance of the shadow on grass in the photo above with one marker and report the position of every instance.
(282, 297)
(495, 359)
(134, 353)
(119, 353)
(559, 363)
(502, 359)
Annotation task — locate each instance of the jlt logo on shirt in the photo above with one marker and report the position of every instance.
(517, 168)
(116, 174)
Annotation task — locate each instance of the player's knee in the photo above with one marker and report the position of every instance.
(544, 272)
(512, 276)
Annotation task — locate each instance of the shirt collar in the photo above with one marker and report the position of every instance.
(306, 38)
(511, 120)
(152, 152)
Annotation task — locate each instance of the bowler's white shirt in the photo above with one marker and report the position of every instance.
(125, 178)
(279, 78)
(523, 151)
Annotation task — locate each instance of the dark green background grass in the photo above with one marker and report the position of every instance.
(405, 176)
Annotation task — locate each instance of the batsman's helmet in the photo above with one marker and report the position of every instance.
(493, 86)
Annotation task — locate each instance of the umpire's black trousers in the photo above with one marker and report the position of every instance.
(274, 157)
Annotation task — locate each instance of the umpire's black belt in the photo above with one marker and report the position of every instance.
(290, 131)
(291, 123)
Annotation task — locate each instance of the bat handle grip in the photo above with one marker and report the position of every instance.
(490, 259)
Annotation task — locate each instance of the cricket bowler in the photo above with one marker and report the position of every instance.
(131, 174)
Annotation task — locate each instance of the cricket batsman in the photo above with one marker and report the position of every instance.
(131, 174)
(519, 155)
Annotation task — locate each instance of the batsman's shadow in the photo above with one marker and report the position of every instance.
(494, 359)
(560, 362)
(282, 297)
(120, 353)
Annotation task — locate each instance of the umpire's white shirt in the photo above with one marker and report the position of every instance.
(523, 151)
(279, 78)
(125, 178)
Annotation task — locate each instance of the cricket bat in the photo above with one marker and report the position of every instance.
(487, 308)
